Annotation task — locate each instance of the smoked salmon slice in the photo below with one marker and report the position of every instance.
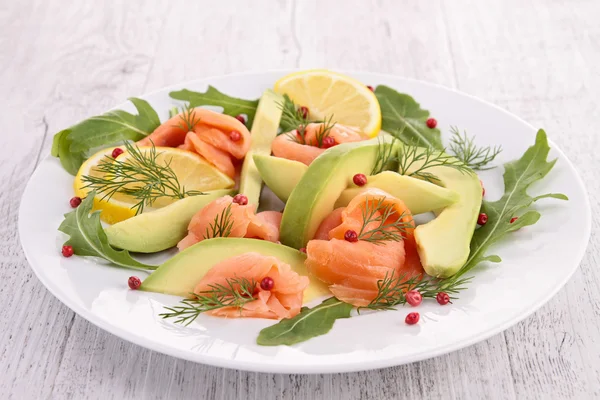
(284, 300)
(353, 269)
(265, 226)
(244, 222)
(289, 145)
(215, 156)
(205, 132)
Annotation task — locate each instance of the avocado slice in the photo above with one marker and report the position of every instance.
(324, 181)
(444, 243)
(264, 130)
(162, 228)
(279, 174)
(180, 274)
(419, 196)
(282, 176)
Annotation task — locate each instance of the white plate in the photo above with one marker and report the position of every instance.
(538, 260)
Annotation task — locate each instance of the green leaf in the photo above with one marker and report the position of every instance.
(311, 322)
(403, 117)
(54, 151)
(61, 146)
(114, 126)
(72, 145)
(518, 176)
(88, 239)
(558, 196)
(212, 97)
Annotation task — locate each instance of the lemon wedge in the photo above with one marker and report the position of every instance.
(193, 173)
(328, 93)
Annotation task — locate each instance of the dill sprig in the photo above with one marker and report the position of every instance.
(465, 150)
(384, 231)
(221, 226)
(391, 291)
(188, 118)
(426, 158)
(324, 130)
(140, 176)
(293, 123)
(236, 292)
(292, 119)
(385, 155)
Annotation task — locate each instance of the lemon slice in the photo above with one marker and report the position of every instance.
(328, 93)
(113, 210)
(193, 173)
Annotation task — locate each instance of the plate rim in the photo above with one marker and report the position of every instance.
(316, 368)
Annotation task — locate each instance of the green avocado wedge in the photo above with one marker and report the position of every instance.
(180, 274)
(280, 174)
(419, 196)
(443, 243)
(162, 228)
(324, 181)
(264, 130)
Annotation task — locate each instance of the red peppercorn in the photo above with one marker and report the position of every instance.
(431, 123)
(482, 188)
(482, 219)
(67, 251)
(303, 249)
(513, 219)
(303, 111)
(241, 119)
(235, 136)
(413, 297)
(267, 283)
(351, 236)
(117, 152)
(328, 142)
(240, 199)
(75, 201)
(370, 88)
(443, 298)
(359, 179)
(134, 282)
(412, 318)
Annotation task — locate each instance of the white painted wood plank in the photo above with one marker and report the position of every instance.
(63, 63)
(539, 69)
(60, 64)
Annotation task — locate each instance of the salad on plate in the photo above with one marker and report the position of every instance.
(378, 213)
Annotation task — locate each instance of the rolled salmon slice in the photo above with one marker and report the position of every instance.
(215, 156)
(265, 226)
(284, 300)
(340, 133)
(353, 269)
(330, 222)
(352, 216)
(285, 146)
(245, 223)
(212, 140)
(289, 145)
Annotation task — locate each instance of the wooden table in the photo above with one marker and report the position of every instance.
(60, 63)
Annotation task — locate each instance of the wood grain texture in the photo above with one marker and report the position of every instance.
(62, 62)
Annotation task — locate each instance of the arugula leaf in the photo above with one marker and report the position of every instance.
(403, 117)
(518, 176)
(114, 126)
(73, 144)
(212, 97)
(88, 239)
(309, 323)
(61, 148)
